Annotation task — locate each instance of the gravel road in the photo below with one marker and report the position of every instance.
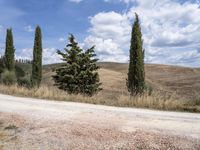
(27, 123)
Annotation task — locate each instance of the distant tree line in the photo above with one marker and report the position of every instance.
(17, 61)
(79, 72)
(23, 61)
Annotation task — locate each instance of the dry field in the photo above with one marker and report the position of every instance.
(174, 88)
(180, 81)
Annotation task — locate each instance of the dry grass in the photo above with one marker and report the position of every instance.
(182, 80)
(155, 101)
(174, 88)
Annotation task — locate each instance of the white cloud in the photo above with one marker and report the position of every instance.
(61, 39)
(187, 58)
(29, 28)
(168, 35)
(76, 1)
(109, 33)
(107, 50)
(25, 53)
(174, 33)
(49, 55)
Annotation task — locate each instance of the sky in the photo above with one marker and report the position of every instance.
(170, 28)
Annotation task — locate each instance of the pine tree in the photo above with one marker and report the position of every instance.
(79, 73)
(89, 76)
(136, 74)
(36, 76)
(9, 51)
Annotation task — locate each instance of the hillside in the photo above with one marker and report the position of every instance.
(178, 81)
(169, 87)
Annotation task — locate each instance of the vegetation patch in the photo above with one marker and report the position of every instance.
(11, 127)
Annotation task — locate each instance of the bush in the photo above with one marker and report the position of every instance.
(19, 72)
(8, 77)
(148, 89)
(195, 101)
(25, 82)
(1, 70)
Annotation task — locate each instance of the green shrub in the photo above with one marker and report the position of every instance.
(195, 101)
(148, 89)
(8, 77)
(25, 82)
(19, 71)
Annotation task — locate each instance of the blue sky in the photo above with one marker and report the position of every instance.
(171, 28)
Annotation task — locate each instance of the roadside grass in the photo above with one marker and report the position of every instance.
(156, 100)
(170, 88)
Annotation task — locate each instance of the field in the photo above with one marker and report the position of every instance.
(181, 81)
(170, 87)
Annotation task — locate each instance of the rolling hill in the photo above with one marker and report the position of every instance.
(169, 87)
(182, 82)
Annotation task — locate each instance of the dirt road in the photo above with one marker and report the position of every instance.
(27, 123)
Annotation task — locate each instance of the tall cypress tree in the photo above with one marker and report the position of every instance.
(36, 76)
(136, 73)
(9, 51)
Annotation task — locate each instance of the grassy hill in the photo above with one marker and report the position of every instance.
(181, 82)
(174, 87)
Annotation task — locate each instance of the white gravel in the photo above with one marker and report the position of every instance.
(126, 120)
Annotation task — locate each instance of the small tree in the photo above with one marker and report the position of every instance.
(9, 51)
(36, 76)
(136, 74)
(79, 72)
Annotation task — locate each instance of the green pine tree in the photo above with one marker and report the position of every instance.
(136, 73)
(9, 51)
(36, 76)
(79, 73)
(89, 76)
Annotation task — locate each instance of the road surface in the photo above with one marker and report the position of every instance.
(44, 124)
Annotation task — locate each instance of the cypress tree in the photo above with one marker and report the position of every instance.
(78, 74)
(36, 76)
(1, 64)
(136, 74)
(9, 51)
